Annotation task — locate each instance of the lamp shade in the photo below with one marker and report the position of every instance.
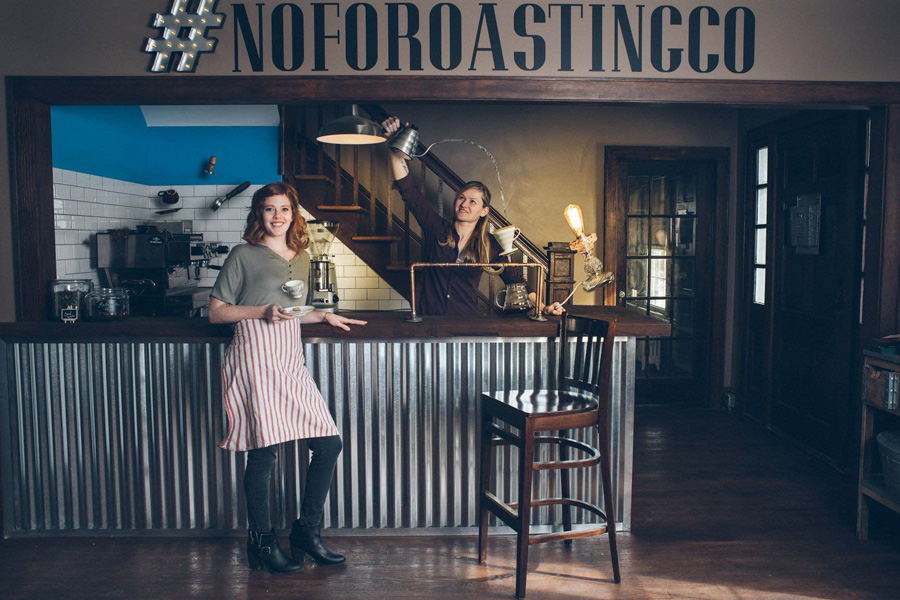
(351, 130)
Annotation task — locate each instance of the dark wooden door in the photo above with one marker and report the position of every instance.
(815, 292)
(665, 267)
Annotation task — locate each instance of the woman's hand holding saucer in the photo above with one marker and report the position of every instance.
(276, 313)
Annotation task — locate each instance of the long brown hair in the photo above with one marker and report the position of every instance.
(297, 237)
(478, 248)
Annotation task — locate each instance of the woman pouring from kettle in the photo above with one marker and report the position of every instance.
(466, 238)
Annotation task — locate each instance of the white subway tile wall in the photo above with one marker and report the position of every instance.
(86, 204)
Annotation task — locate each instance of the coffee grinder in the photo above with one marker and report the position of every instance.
(322, 280)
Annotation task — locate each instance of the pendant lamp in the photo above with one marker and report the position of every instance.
(351, 130)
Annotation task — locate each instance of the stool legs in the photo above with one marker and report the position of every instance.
(485, 476)
(526, 444)
(526, 473)
(564, 487)
(608, 505)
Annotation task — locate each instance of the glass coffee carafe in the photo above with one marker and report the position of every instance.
(513, 299)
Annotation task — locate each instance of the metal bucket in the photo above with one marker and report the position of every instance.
(889, 449)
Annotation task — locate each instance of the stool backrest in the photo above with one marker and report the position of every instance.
(592, 363)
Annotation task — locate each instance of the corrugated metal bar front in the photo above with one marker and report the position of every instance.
(124, 437)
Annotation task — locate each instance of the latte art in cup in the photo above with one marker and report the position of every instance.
(294, 288)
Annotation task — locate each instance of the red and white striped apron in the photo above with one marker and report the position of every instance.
(269, 395)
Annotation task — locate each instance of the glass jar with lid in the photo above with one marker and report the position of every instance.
(68, 298)
(106, 304)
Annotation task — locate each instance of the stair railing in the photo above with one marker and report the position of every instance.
(455, 182)
(307, 155)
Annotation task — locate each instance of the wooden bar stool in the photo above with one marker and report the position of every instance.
(581, 401)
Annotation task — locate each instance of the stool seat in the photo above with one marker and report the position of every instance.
(545, 402)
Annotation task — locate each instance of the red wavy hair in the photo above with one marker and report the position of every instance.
(297, 237)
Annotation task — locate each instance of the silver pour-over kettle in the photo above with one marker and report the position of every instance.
(406, 141)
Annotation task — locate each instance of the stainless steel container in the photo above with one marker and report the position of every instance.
(406, 141)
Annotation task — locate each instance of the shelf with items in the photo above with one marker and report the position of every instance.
(879, 399)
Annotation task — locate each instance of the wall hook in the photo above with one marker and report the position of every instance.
(210, 168)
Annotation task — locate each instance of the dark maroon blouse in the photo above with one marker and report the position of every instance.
(446, 291)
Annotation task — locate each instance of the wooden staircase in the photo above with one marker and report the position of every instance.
(353, 186)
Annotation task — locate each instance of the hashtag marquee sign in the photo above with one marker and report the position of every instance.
(189, 47)
(465, 36)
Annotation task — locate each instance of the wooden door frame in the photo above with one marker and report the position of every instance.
(613, 210)
(31, 178)
(881, 296)
(874, 314)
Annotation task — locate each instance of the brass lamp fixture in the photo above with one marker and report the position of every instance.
(593, 268)
(352, 130)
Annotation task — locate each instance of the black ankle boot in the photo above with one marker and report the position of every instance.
(263, 551)
(308, 539)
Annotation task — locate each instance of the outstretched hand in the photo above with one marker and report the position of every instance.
(341, 322)
(554, 309)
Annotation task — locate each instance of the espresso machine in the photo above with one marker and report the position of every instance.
(160, 269)
(322, 284)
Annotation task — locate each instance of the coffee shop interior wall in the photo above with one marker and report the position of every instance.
(109, 166)
(839, 41)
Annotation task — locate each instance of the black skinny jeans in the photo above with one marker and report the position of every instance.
(258, 476)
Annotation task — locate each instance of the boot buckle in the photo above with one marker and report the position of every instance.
(265, 550)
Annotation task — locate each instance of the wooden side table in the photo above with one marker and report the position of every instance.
(877, 370)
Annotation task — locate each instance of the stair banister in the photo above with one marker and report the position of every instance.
(439, 168)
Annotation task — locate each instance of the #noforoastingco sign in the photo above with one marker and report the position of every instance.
(630, 39)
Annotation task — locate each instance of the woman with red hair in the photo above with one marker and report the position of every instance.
(270, 397)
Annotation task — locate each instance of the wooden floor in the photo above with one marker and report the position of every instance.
(721, 510)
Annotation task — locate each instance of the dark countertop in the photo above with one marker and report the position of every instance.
(629, 322)
(381, 326)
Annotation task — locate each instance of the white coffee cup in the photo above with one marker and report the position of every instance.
(294, 288)
(505, 236)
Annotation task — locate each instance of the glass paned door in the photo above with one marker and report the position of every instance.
(661, 215)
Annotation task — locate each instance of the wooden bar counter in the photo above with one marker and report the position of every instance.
(113, 428)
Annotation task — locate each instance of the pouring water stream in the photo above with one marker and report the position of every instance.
(483, 149)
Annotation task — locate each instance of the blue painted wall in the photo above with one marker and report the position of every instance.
(115, 142)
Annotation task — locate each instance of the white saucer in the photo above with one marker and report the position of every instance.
(508, 253)
(299, 311)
